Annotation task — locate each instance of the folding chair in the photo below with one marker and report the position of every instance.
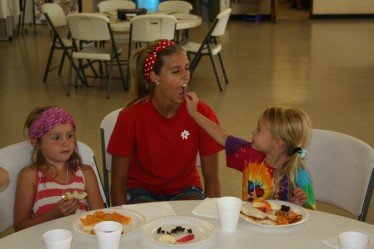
(210, 46)
(56, 19)
(88, 157)
(106, 129)
(176, 6)
(341, 167)
(93, 27)
(150, 27)
(113, 5)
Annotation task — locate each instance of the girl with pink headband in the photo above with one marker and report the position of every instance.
(155, 142)
(56, 184)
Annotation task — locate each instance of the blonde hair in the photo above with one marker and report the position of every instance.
(292, 126)
(144, 88)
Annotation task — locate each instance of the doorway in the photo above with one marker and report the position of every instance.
(288, 12)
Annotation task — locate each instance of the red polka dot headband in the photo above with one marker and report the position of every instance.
(150, 61)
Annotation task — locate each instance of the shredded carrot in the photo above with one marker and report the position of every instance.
(98, 216)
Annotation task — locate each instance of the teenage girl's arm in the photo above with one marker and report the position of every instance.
(209, 169)
(120, 170)
(24, 202)
(214, 130)
(95, 201)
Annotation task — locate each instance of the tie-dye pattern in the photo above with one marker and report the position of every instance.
(258, 176)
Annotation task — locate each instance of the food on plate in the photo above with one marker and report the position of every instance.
(186, 238)
(74, 194)
(91, 220)
(268, 213)
(169, 237)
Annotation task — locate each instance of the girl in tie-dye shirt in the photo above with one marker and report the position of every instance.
(272, 163)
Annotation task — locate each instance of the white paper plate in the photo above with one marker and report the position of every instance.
(296, 208)
(136, 223)
(202, 230)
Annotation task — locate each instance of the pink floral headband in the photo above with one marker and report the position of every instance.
(48, 120)
(150, 61)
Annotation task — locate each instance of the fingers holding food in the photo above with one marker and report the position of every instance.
(74, 194)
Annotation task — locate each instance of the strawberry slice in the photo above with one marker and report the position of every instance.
(186, 238)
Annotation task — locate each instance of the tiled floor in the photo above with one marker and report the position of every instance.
(323, 66)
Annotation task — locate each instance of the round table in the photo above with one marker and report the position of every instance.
(308, 235)
(183, 22)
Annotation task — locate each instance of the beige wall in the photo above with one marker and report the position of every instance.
(343, 7)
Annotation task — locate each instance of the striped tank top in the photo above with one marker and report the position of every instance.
(49, 192)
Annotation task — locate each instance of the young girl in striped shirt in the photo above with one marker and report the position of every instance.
(56, 170)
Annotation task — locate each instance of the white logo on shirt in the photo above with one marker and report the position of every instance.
(185, 134)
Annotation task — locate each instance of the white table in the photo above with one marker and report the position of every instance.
(308, 235)
(182, 24)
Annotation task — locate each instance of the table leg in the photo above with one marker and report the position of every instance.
(274, 10)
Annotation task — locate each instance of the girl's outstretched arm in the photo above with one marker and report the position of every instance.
(218, 133)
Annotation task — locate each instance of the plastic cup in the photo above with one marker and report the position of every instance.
(353, 240)
(229, 210)
(108, 234)
(58, 239)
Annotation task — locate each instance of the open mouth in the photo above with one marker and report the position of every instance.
(182, 90)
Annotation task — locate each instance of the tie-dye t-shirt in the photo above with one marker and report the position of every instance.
(258, 176)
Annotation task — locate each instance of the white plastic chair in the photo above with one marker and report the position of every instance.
(106, 129)
(56, 19)
(175, 6)
(15, 157)
(150, 27)
(88, 157)
(112, 5)
(210, 46)
(94, 27)
(341, 167)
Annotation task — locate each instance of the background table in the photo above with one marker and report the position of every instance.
(308, 235)
(195, 21)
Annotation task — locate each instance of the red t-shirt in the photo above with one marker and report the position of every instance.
(162, 150)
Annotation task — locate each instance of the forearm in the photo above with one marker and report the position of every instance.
(209, 167)
(118, 194)
(32, 221)
(120, 168)
(214, 130)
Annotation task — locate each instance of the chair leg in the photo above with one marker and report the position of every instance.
(69, 78)
(61, 63)
(48, 63)
(222, 67)
(109, 86)
(124, 82)
(215, 72)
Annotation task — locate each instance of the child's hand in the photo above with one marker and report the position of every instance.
(65, 208)
(192, 101)
(299, 197)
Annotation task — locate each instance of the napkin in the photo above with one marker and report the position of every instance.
(334, 242)
(152, 210)
(207, 208)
